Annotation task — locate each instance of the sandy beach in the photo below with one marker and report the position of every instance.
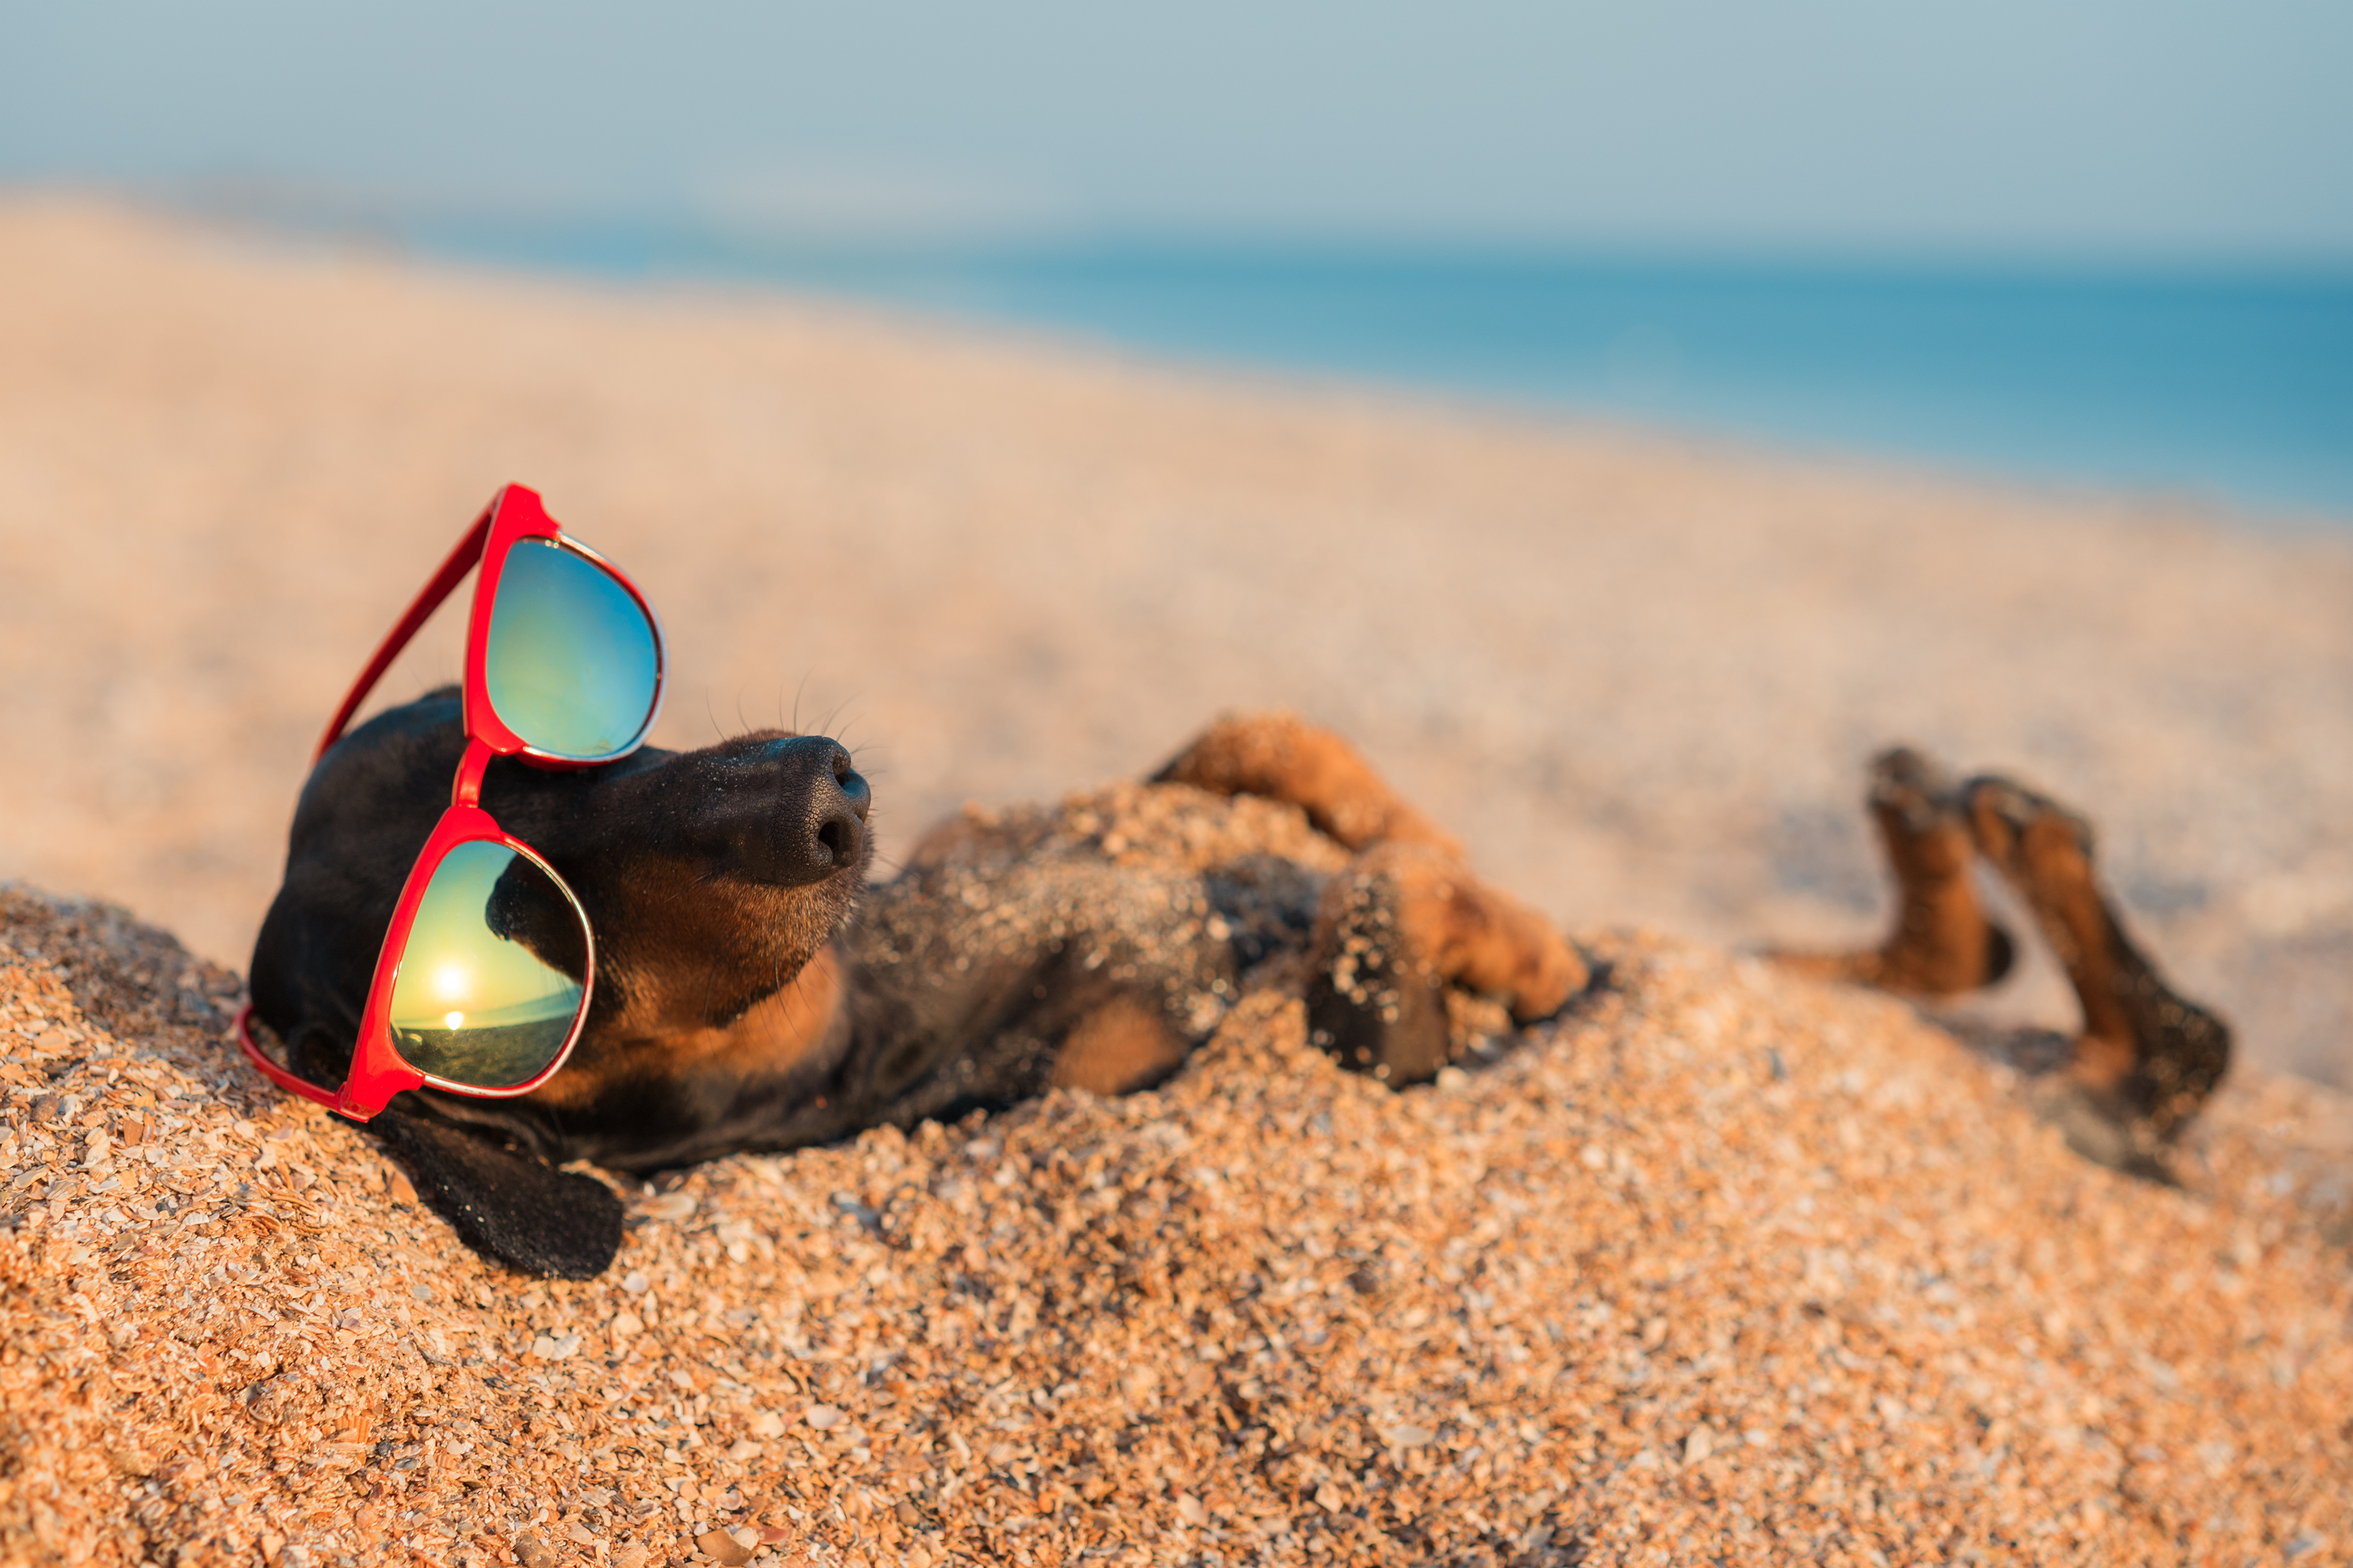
(1780, 1267)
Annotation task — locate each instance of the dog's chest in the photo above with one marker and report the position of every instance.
(1008, 929)
(1155, 872)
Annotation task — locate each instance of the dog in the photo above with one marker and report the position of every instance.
(755, 993)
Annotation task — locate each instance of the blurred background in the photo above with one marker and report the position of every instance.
(2102, 242)
(1619, 418)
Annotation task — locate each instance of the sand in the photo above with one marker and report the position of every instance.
(1724, 1263)
(1722, 1266)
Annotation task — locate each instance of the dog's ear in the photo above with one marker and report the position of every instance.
(504, 1205)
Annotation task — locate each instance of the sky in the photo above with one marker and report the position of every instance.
(2100, 129)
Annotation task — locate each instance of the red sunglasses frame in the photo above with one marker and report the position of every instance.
(378, 1071)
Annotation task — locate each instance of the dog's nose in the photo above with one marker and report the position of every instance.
(819, 826)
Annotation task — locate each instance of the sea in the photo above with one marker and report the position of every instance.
(2227, 389)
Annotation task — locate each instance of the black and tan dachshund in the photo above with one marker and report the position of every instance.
(754, 992)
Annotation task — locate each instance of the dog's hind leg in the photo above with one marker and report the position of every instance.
(1282, 757)
(2147, 1058)
(1403, 922)
(1942, 943)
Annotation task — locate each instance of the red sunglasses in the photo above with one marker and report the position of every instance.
(485, 975)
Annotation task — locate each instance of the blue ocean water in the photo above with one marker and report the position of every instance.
(2222, 387)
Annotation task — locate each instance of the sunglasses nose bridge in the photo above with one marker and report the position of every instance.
(466, 789)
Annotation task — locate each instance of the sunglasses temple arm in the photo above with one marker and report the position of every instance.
(445, 581)
(285, 1079)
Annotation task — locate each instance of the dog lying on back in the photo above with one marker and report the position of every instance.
(755, 993)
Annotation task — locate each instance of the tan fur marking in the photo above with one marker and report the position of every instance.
(1282, 757)
(771, 1038)
(2101, 1062)
(1121, 1045)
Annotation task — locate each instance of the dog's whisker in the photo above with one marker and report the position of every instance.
(849, 724)
(799, 691)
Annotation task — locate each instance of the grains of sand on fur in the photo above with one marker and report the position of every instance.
(1722, 1267)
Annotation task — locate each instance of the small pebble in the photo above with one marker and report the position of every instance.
(720, 1547)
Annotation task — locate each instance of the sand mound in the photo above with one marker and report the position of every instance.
(1723, 1263)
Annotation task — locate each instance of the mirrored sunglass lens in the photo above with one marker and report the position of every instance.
(490, 980)
(571, 662)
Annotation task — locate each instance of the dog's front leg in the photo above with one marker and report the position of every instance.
(1397, 928)
(1282, 757)
(1405, 921)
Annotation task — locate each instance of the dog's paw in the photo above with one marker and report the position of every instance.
(1395, 931)
(1377, 1012)
(1942, 943)
(2158, 1055)
(1376, 994)
(506, 1205)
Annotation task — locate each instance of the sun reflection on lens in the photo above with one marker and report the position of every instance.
(476, 1000)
